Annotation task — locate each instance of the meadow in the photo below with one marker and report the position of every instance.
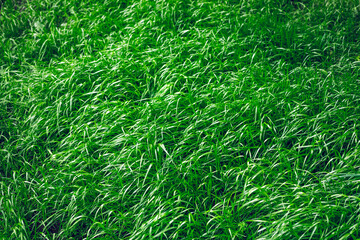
(179, 119)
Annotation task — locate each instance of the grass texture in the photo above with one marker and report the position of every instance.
(179, 119)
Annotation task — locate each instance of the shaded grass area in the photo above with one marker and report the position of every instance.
(180, 120)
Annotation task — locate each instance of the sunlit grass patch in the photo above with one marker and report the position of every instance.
(179, 120)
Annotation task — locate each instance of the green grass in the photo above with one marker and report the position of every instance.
(180, 119)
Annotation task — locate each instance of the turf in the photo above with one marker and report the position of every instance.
(179, 119)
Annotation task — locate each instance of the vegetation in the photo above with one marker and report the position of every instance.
(179, 119)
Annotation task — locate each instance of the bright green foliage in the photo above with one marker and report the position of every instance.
(179, 119)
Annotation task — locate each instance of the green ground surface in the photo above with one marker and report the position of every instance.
(179, 119)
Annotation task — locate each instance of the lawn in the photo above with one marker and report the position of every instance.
(175, 119)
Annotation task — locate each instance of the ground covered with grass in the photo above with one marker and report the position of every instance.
(179, 119)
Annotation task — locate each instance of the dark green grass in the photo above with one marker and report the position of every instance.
(180, 119)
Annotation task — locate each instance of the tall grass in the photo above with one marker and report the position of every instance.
(179, 119)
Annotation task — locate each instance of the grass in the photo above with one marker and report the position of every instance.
(179, 119)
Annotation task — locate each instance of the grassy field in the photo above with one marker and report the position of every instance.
(179, 119)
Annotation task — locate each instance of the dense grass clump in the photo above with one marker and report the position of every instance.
(179, 119)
